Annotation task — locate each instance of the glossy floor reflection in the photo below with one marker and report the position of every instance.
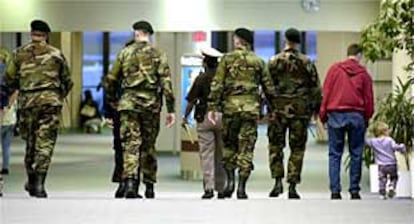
(80, 192)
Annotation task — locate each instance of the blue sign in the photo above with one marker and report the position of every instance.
(188, 76)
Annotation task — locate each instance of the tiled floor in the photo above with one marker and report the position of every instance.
(80, 192)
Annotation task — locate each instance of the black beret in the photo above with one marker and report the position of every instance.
(293, 35)
(143, 25)
(244, 34)
(39, 25)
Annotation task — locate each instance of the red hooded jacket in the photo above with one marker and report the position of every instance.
(347, 88)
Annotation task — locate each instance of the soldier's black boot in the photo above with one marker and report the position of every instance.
(29, 185)
(131, 188)
(220, 195)
(241, 188)
(149, 190)
(120, 192)
(208, 194)
(277, 189)
(39, 185)
(293, 194)
(228, 191)
(1, 185)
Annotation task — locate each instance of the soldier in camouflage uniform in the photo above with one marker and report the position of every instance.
(41, 74)
(113, 117)
(142, 70)
(235, 93)
(298, 98)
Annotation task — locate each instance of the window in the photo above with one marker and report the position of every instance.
(92, 70)
(264, 44)
(117, 42)
(311, 45)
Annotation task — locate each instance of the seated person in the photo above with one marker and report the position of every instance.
(90, 118)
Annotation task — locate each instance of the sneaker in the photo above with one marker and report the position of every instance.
(336, 196)
(355, 196)
(391, 193)
(383, 194)
(5, 171)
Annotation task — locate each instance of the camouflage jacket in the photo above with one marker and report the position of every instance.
(297, 84)
(236, 85)
(40, 73)
(4, 56)
(144, 73)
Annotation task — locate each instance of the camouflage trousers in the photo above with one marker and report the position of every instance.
(298, 134)
(239, 138)
(39, 128)
(139, 132)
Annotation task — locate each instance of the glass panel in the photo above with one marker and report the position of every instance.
(117, 42)
(264, 44)
(93, 64)
(311, 45)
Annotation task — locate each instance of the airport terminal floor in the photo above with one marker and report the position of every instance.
(80, 192)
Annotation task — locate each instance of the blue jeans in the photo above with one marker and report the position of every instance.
(353, 125)
(7, 133)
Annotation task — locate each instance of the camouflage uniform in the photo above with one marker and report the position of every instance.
(148, 152)
(148, 157)
(41, 74)
(4, 56)
(298, 97)
(235, 93)
(142, 70)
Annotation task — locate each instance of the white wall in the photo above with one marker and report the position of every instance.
(187, 15)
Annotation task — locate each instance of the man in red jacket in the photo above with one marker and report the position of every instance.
(347, 106)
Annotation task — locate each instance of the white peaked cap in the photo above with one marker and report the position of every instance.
(209, 51)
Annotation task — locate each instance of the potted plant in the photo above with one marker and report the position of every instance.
(393, 31)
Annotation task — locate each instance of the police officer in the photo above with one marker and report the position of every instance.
(142, 71)
(41, 74)
(298, 98)
(209, 135)
(235, 92)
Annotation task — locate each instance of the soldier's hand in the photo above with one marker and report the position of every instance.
(212, 117)
(315, 117)
(114, 105)
(109, 122)
(272, 116)
(184, 122)
(170, 120)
